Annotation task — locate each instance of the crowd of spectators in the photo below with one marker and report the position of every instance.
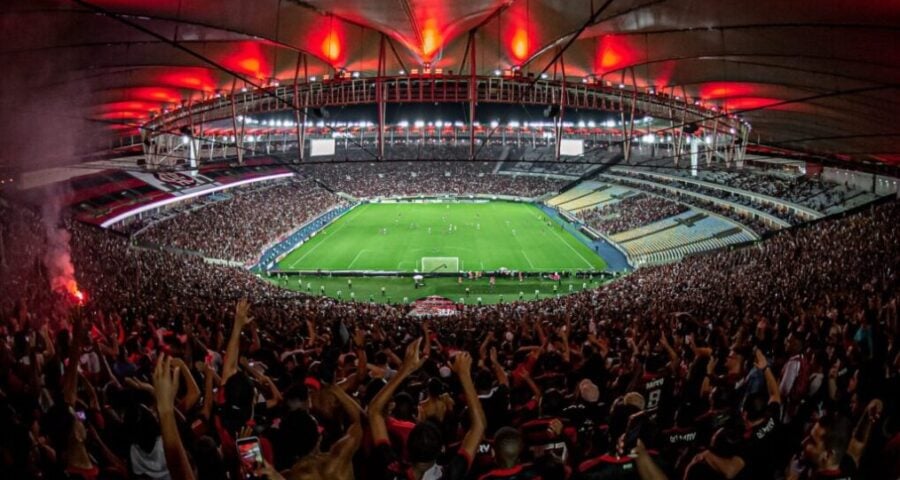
(238, 228)
(737, 215)
(777, 210)
(385, 179)
(776, 361)
(630, 213)
(803, 190)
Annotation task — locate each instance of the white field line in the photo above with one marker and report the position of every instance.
(350, 267)
(571, 247)
(527, 259)
(346, 222)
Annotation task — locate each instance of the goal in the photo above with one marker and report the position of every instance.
(440, 264)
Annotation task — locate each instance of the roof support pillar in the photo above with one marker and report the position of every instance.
(562, 109)
(299, 119)
(473, 94)
(715, 143)
(742, 150)
(238, 135)
(629, 132)
(679, 150)
(193, 141)
(379, 96)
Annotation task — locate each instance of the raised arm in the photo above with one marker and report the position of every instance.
(762, 363)
(209, 382)
(564, 336)
(275, 397)
(165, 384)
(410, 364)
(499, 372)
(310, 333)
(674, 359)
(393, 359)
(483, 348)
(70, 377)
(863, 429)
(192, 395)
(344, 449)
(362, 363)
(646, 467)
(232, 350)
(462, 366)
(426, 334)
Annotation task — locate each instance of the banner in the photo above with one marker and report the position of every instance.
(433, 306)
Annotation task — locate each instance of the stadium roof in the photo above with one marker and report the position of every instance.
(814, 75)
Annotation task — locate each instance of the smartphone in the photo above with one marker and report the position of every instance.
(250, 454)
(81, 415)
(635, 425)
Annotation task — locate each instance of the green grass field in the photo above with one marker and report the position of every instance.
(402, 290)
(482, 236)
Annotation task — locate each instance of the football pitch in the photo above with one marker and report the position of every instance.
(443, 238)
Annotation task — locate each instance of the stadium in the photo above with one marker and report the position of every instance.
(434, 240)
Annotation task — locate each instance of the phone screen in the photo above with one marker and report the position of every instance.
(250, 454)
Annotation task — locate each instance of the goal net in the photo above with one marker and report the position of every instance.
(440, 264)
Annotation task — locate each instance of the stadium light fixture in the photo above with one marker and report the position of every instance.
(403, 124)
(312, 78)
(494, 123)
(355, 74)
(591, 124)
(458, 124)
(581, 124)
(497, 72)
(402, 72)
(544, 76)
(513, 124)
(439, 124)
(419, 123)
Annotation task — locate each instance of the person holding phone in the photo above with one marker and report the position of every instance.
(251, 457)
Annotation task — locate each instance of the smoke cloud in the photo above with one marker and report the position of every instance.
(58, 255)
